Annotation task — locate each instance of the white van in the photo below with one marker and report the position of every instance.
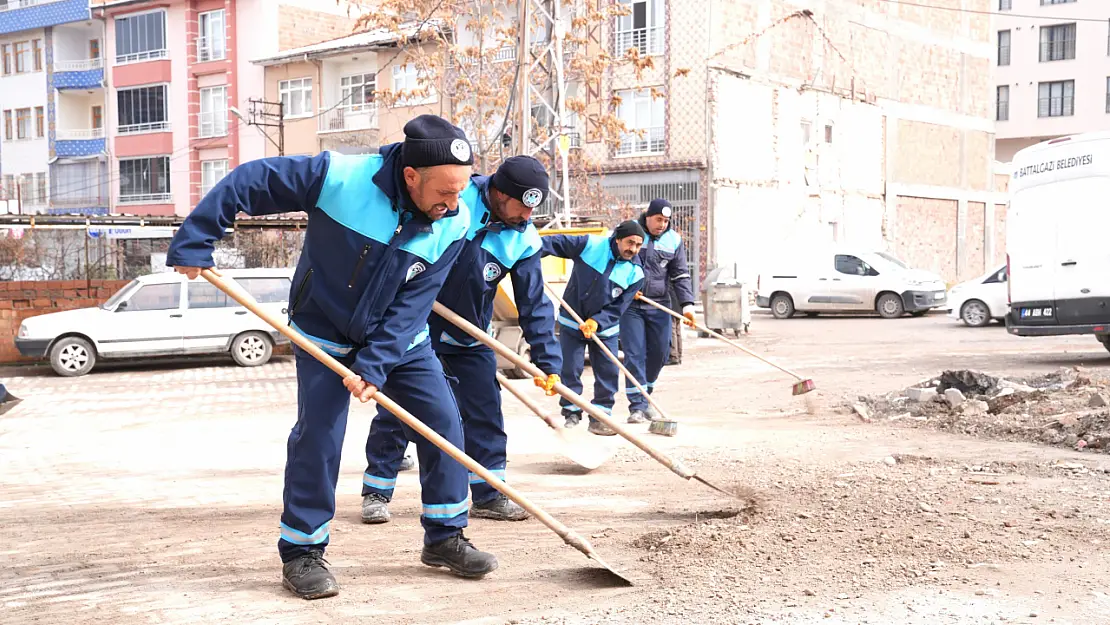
(845, 280)
(162, 314)
(1056, 238)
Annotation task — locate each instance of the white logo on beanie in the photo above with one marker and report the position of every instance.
(667, 212)
(460, 149)
(532, 198)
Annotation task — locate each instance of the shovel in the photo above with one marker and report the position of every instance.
(674, 465)
(803, 386)
(586, 454)
(569, 536)
(667, 426)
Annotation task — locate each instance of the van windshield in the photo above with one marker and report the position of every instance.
(115, 298)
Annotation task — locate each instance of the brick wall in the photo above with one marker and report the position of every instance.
(19, 300)
(975, 241)
(925, 234)
(301, 27)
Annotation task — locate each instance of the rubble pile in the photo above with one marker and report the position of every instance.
(1068, 407)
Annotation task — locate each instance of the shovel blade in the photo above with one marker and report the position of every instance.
(588, 453)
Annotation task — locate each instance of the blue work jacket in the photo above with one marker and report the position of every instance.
(663, 259)
(601, 285)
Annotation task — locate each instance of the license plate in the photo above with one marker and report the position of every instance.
(938, 295)
(1028, 313)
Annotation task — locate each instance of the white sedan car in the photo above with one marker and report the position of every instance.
(162, 314)
(978, 301)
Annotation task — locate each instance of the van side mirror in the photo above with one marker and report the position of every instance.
(122, 306)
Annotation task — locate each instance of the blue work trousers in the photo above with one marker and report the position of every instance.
(574, 347)
(646, 341)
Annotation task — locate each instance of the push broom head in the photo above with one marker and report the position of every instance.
(803, 387)
(663, 428)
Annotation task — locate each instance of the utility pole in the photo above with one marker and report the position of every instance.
(271, 114)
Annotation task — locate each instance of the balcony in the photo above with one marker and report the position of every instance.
(136, 129)
(139, 57)
(86, 74)
(209, 50)
(146, 198)
(643, 142)
(17, 15)
(649, 41)
(348, 118)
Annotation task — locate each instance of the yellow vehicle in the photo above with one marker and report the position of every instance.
(506, 327)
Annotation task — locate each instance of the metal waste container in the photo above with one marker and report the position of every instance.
(725, 301)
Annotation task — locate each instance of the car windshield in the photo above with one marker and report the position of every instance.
(892, 259)
(115, 298)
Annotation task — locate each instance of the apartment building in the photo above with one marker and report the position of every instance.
(1052, 71)
(53, 157)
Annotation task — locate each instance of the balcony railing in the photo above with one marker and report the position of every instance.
(212, 124)
(347, 118)
(81, 134)
(135, 129)
(1003, 55)
(22, 4)
(1062, 50)
(138, 57)
(78, 66)
(1002, 112)
(649, 41)
(146, 198)
(79, 201)
(207, 51)
(1056, 107)
(643, 141)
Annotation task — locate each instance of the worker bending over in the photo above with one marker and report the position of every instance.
(602, 283)
(383, 231)
(646, 331)
(501, 241)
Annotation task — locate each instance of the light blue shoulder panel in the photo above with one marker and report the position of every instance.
(626, 273)
(669, 242)
(472, 195)
(431, 245)
(510, 246)
(596, 254)
(351, 198)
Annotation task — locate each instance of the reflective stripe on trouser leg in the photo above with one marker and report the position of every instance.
(605, 374)
(418, 385)
(472, 374)
(658, 333)
(312, 458)
(632, 341)
(385, 449)
(573, 346)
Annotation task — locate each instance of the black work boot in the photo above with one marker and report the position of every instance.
(572, 418)
(407, 463)
(308, 576)
(375, 509)
(500, 508)
(459, 555)
(637, 416)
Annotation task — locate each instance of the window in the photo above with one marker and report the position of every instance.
(1056, 99)
(643, 116)
(213, 111)
(357, 90)
(1108, 94)
(97, 117)
(155, 297)
(40, 122)
(211, 172)
(641, 29)
(1002, 99)
(141, 37)
(7, 187)
(94, 48)
(1005, 5)
(40, 188)
(142, 109)
(1057, 42)
(8, 125)
(212, 39)
(6, 52)
(36, 52)
(145, 180)
(828, 133)
(1047, 2)
(25, 188)
(267, 290)
(204, 295)
(409, 79)
(996, 277)
(1003, 47)
(296, 97)
(22, 51)
(852, 266)
(23, 123)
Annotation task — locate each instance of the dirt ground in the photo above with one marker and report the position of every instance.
(151, 494)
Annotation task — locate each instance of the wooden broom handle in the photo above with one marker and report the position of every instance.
(527, 401)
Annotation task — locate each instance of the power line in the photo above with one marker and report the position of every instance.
(999, 13)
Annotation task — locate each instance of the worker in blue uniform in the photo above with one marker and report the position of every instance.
(602, 284)
(383, 231)
(501, 241)
(646, 331)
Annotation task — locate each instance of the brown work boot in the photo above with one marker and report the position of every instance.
(599, 428)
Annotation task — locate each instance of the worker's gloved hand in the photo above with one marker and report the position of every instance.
(589, 328)
(360, 388)
(547, 385)
(688, 312)
(639, 294)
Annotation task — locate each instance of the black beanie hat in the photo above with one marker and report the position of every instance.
(523, 178)
(628, 229)
(659, 207)
(431, 140)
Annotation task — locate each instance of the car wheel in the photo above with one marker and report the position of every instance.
(975, 314)
(251, 349)
(782, 306)
(1105, 340)
(72, 356)
(890, 306)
